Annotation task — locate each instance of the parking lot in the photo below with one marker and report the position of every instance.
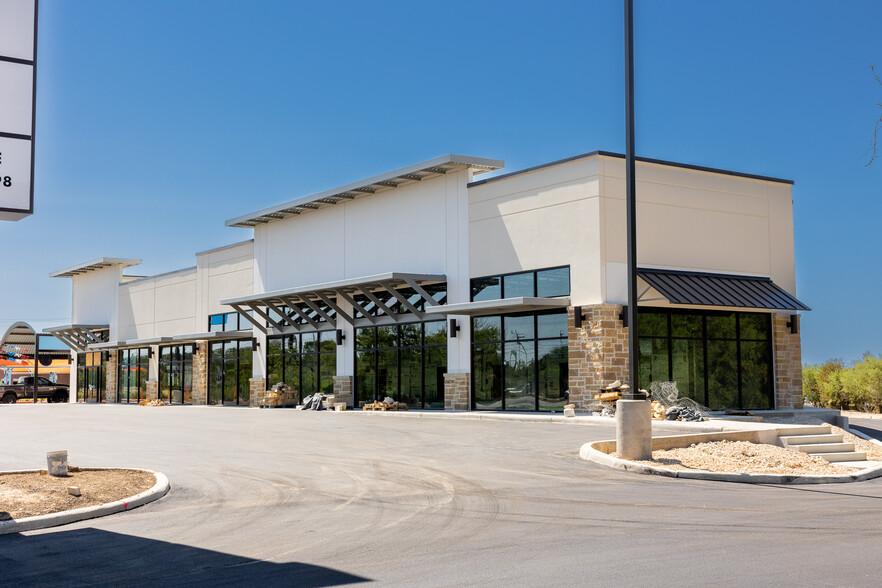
(283, 497)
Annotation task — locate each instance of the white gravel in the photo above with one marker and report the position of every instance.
(743, 457)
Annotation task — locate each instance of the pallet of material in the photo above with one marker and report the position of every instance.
(385, 406)
(608, 396)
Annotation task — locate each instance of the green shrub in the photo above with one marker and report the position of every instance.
(832, 385)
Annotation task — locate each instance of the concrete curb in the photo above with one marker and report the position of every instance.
(159, 489)
(590, 453)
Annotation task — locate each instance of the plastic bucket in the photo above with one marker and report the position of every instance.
(56, 463)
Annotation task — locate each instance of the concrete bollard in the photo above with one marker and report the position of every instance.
(633, 429)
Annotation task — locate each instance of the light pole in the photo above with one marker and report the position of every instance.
(633, 415)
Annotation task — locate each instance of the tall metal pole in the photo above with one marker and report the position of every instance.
(631, 201)
(36, 362)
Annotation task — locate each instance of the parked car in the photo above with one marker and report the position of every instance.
(24, 388)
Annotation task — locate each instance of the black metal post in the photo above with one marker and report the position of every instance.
(631, 203)
(36, 362)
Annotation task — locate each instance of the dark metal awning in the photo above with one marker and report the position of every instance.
(381, 294)
(710, 289)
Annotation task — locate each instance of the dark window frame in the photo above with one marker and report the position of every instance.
(502, 341)
(300, 353)
(535, 273)
(376, 348)
(143, 355)
(181, 363)
(737, 338)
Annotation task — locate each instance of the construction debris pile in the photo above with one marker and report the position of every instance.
(668, 405)
(154, 402)
(388, 403)
(317, 402)
(279, 396)
(605, 402)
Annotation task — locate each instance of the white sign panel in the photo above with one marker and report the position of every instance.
(18, 70)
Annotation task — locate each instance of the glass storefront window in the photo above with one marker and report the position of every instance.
(229, 372)
(90, 377)
(306, 363)
(176, 373)
(719, 359)
(545, 283)
(520, 362)
(133, 374)
(405, 362)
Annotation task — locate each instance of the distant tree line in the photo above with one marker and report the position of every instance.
(835, 385)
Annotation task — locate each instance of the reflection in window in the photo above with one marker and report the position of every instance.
(520, 362)
(133, 374)
(720, 359)
(176, 374)
(306, 363)
(545, 283)
(406, 362)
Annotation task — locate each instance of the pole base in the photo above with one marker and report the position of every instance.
(633, 429)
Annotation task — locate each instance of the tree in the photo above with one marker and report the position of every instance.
(875, 144)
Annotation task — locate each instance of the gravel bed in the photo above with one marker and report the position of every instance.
(743, 457)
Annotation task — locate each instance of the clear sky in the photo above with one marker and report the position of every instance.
(157, 121)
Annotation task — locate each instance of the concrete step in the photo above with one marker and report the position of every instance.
(845, 456)
(814, 448)
(804, 430)
(857, 464)
(806, 439)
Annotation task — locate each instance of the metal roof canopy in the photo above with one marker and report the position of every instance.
(711, 289)
(80, 337)
(426, 170)
(329, 292)
(500, 306)
(95, 264)
(22, 336)
(189, 338)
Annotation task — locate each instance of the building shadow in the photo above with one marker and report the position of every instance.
(92, 557)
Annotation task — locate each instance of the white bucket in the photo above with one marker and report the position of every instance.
(56, 462)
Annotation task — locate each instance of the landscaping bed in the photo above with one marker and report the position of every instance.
(35, 493)
(743, 457)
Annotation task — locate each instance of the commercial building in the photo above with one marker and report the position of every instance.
(450, 292)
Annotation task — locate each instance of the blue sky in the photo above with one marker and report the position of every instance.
(156, 121)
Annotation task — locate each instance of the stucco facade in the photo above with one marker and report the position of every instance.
(347, 267)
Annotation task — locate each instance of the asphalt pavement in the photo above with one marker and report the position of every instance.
(290, 498)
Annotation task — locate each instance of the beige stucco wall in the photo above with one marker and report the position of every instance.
(573, 213)
(548, 217)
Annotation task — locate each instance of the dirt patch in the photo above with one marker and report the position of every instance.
(33, 494)
(743, 457)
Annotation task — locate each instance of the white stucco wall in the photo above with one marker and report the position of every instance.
(220, 274)
(159, 306)
(418, 228)
(94, 299)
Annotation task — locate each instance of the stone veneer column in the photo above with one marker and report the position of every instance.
(456, 391)
(152, 390)
(257, 387)
(199, 391)
(343, 390)
(788, 363)
(111, 377)
(598, 351)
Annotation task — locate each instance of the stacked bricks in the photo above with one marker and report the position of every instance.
(788, 364)
(152, 391)
(343, 390)
(200, 373)
(257, 387)
(456, 391)
(598, 351)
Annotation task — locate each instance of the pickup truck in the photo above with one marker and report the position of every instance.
(24, 388)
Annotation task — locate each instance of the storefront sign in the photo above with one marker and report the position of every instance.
(18, 71)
